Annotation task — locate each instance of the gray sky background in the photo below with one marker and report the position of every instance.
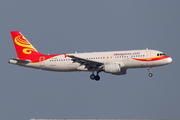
(66, 26)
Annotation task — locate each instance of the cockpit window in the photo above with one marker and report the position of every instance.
(160, 54)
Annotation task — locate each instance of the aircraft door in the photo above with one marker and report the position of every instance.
(42, 61)
(148, 55)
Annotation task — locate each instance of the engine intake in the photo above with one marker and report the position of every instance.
(114, 68)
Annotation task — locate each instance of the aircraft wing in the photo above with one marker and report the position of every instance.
(83, 61)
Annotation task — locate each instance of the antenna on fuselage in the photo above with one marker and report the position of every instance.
(146, 48)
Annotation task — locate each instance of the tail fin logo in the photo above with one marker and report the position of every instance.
(21, 41)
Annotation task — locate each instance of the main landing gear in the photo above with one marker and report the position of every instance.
(95, 77)
(150, 74)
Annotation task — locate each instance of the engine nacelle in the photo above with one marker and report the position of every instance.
(114, 68)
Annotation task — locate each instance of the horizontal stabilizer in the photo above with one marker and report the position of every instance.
(18, 61)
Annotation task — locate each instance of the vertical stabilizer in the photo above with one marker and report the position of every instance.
(23, 47)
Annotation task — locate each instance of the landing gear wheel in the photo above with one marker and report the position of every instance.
(150, 74)
(97, 78)
(92, 77)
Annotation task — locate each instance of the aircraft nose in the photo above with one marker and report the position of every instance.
(169, 60)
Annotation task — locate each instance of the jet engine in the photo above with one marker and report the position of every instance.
(114, 68)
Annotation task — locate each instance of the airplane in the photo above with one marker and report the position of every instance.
(113, 62)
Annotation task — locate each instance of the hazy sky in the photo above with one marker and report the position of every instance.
(66, 26)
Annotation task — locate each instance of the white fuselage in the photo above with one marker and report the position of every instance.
(126, 59)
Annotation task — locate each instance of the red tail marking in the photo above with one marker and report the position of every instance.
(23, 47)
(25, 50)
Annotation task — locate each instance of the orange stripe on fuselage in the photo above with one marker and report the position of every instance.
(152, 58)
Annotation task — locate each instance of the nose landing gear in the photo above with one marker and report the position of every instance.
(96, 77)
(150, 74)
